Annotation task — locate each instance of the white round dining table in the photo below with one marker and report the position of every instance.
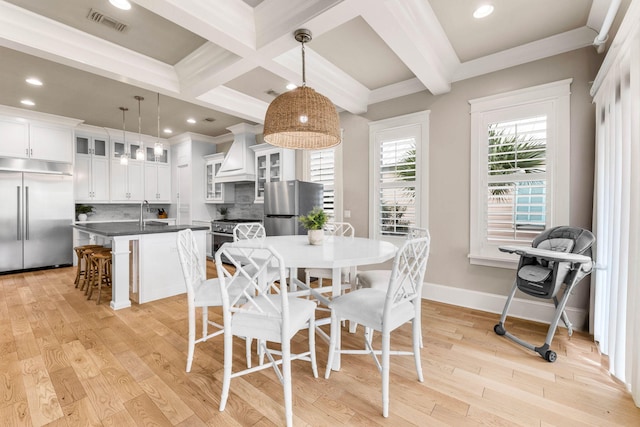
(336, 252)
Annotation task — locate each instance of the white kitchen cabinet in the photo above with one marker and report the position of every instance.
(157, 182)
(127, 181)
(47, 142)
(216, 192)
(34, 140)
(118, 148)
(272, 164)
(157, 176)
(91, 171)
(14, 138)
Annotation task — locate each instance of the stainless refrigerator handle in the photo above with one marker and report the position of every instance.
(19, 230)
(26, 213)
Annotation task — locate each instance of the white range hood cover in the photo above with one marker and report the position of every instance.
(239, 163)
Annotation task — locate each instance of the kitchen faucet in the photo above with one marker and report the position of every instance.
(144, 202)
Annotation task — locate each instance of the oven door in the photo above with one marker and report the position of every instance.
(217, 239)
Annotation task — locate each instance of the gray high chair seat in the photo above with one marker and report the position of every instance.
(560, 255)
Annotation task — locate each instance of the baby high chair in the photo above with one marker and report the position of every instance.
(556, 256)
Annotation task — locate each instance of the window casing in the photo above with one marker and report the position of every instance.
(399, 177)
(519, 169)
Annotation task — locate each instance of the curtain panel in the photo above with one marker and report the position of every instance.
(616, 282)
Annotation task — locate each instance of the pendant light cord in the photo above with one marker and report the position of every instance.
(158, 116)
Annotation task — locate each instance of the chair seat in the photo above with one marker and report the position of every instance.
(366, 306)
(374, 279)
(245, 324)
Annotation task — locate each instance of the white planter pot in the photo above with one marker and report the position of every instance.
(82, 217)
(316, 237)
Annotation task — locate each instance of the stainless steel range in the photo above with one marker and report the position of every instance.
(222, 231)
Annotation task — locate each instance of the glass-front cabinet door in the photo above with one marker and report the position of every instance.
(261, 174)
(217, 192)
(272, 164)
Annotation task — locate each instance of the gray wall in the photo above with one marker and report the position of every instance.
(450, 156)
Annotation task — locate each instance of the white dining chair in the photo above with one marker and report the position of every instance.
(248, 230)
(379, 279)
(255, 309)
(343, 229)
(201, 292)
(385, 311)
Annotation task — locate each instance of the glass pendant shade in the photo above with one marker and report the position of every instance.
(124, 158)
(302, 118)
(139, 154)
(158, 149)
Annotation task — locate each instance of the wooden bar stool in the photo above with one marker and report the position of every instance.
(101, 269)
(91, 273)
(81, 271)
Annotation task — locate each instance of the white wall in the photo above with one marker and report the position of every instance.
(449, 163)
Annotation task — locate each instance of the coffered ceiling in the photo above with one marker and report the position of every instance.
(227, 59)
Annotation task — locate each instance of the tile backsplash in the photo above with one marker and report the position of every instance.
(124, 212)
(243, 208)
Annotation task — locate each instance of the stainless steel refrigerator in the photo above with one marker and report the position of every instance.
(285, 201)
(35, 218)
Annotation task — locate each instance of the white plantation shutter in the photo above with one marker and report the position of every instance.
(322, 166)
(397, 177)
(517, 180)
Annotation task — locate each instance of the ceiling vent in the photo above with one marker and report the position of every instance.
(209, 119)
(107, 21)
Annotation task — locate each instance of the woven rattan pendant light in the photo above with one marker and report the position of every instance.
(302, 118)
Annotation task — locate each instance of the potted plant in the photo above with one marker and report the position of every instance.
(314, 222)
(82, 211)
(223, 211)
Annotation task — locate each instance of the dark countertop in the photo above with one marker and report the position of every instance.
(111, 229)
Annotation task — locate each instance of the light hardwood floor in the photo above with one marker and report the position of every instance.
(66, 362)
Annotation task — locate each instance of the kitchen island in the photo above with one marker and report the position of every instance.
(146, 266)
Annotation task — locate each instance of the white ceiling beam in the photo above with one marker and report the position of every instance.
(554, 45)
(235, 103)
(410, 28)
(325, 78)
(227, 23)
(36, 35)
(396, 90)
(597, 13)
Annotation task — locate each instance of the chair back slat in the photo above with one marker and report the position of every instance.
(248, 231)
(245, 289)
(343, 229)
(190, 261)
(408, 271)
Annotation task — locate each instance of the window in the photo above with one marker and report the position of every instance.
(323, 166)
(399, 155)
(519, 169)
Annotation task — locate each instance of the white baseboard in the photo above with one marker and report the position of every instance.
(537, 311)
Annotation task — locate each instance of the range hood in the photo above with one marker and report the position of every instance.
(239, 163)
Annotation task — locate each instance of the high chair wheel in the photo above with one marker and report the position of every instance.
(499, 329)
(550, 356)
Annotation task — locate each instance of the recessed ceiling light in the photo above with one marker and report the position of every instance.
(28, 102)
(483, 11)
(291, 86)
(34, 81)
(121, 4)
(167, 130)
(191, 120)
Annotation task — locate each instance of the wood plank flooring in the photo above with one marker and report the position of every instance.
(65, 361)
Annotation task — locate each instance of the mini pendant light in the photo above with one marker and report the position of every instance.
(124, 157)
(302, 118)
(140, 150)
(158, 147)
